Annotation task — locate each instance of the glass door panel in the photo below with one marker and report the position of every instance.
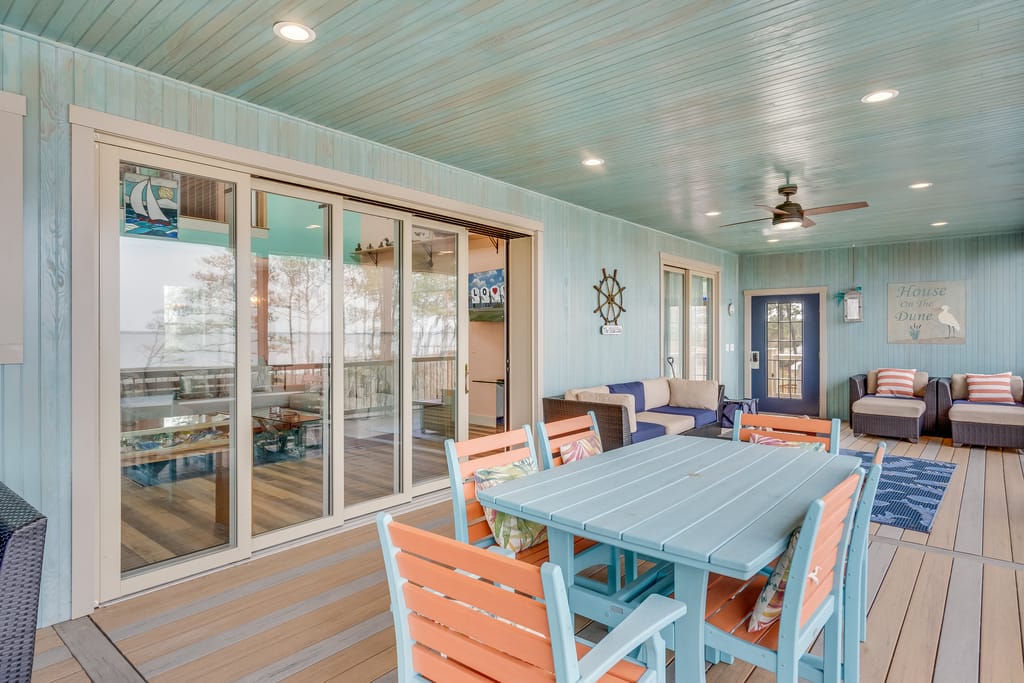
(290, 336)
(673, 323)
(435, 340)
(372, 369)
(177, 353)
(700, 342)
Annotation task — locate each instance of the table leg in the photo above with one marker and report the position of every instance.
(691, 586)
(560, 552)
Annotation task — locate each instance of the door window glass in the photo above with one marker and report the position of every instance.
(784, 340)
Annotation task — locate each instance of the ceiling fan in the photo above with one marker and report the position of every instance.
(789, 214)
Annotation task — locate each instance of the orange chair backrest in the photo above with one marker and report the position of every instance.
(464, 621)
(787, 427)
(483, 452)
(828, 552)
(565, 432)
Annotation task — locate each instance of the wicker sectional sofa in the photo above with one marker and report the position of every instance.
(629, 412)
(981, 424)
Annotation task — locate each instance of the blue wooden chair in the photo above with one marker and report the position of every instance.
(813, 601)
(465, 458)
(855, 598)
(788, 428)
(464, 614)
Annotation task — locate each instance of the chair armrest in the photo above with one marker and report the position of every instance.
(643, 625)
(612, 419)
(858, 389)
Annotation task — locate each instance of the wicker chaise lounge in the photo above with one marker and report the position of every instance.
(22, 534)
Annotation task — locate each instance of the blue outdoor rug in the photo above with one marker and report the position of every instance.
(909, 491)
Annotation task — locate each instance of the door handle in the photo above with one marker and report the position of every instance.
(466, 384)
(755, 360)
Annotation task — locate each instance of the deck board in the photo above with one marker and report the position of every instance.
(946, 606)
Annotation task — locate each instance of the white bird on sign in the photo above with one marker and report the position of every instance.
(947, 319)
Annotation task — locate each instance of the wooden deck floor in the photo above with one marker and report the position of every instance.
(946, 606)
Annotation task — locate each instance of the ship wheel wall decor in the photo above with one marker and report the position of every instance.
(609, 301)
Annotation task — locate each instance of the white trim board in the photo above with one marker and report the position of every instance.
(320, 177)
(822, 293)
(12, 103)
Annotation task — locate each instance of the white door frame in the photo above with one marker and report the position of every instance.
(822, 293)
(88, 127)
(691, 267)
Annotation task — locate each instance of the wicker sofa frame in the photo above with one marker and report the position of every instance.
(975, 433)
(890, 425)
(613, 420)
(22, 535)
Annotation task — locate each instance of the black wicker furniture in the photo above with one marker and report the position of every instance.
(898, 418)
(981, 424)
(22, 534)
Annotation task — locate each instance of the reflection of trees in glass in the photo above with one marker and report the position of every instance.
(198, 319)
(299, 296)
(435, 323)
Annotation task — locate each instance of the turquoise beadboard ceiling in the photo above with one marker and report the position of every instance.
(696, 106)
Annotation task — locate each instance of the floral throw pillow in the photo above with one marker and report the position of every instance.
(775, 441)
(510, 532)
(768, 607)
(581, 449)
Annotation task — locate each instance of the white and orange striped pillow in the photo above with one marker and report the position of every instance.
(989, 388)
(895, 382)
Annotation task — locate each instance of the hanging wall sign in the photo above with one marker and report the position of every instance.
(927, 312)
(609, 301)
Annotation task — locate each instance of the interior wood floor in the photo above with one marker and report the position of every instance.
(946, 606)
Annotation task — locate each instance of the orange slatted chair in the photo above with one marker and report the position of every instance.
(465, 458)
(812, 604)
(463, 614)
(788, 428)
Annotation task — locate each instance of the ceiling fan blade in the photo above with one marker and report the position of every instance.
(777, 212)
(756, 220)
(835, 207)
(808, 223)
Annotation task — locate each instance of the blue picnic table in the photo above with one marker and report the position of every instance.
(703, 505)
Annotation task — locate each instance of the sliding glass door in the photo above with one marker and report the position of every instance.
(274, 359)
(688, 323)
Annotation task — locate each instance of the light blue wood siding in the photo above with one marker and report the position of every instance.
(992, 266)
(35, 401)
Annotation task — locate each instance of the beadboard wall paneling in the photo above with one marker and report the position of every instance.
(35, 446)
(992, 266)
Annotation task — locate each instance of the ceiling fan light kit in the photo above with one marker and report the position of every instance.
(789, 215)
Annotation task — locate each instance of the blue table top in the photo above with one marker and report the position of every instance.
(723, 505)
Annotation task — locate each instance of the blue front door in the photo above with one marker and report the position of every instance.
(784, 338)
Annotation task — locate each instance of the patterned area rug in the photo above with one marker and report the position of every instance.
(909, 491)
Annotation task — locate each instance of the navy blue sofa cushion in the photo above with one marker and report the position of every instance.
(647, 430)
(700, 416)
(635, 388)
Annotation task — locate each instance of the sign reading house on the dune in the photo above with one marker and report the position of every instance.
(927, 312)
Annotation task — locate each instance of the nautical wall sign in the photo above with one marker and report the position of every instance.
(150, 206)
(928, 312)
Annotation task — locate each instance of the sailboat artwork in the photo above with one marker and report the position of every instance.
(150, 206)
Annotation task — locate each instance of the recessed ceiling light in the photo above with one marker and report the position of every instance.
(919, 186)
(713, 213)
(879, 96)
(297, 33)
(312, 227)
(939, 224)
(773, 241)
(593, 161)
